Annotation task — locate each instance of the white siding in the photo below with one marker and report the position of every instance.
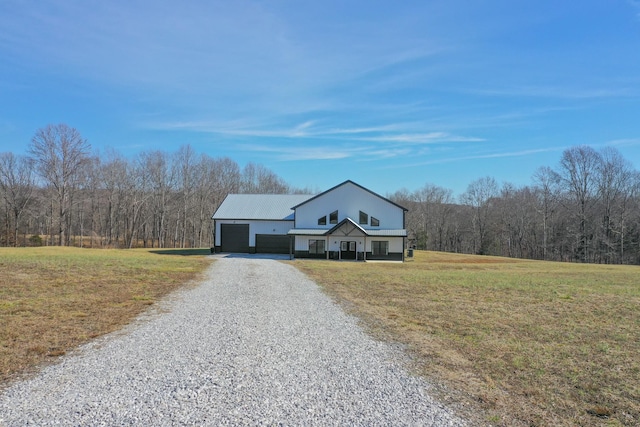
(396, 244)
(349, 200)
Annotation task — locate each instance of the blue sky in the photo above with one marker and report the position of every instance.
(390, 94)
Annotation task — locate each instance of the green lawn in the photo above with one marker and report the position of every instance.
(526, 342)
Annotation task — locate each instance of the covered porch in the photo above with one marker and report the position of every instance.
(347, 241)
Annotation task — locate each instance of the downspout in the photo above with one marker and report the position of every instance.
(404, 238)
(213, 246)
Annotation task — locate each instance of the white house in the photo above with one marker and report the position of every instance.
(346, 222)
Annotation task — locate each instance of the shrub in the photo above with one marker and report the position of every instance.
(35, 240)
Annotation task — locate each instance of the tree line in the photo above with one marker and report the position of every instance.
(586, 209)
(62, 194)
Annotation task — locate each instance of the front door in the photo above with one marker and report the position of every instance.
(347, 250)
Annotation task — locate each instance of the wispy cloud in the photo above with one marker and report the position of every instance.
(557, 92)
(391, 133)
(308, 153)
(154, 44)
(298, 153)
(363, 130)
(515, 153)
(235, 128)
(303, 81)
(625, 142)
(386, 154)
(441, 160)
(422, 138)
(635, 4)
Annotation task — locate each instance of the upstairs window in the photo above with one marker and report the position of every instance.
(375, 222)
(333, 217)
(322, 220)
(364, 218)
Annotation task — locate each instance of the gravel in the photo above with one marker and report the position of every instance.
(257, 343)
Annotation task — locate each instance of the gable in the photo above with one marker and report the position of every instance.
(348, 200)
(348, 183)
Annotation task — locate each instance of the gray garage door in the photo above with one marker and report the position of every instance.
(234, 238)
(272, 243)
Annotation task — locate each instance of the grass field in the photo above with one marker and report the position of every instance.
(54, 298)
(523, 342)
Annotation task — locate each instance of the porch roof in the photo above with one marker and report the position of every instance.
(307, 232)
(366, 232)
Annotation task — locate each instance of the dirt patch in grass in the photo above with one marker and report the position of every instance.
(525, 343)
(52, 299)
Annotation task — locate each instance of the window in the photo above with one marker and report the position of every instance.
(333, 217)
(380, 247)
(348, 246)
(316, 246)
(375, 222)
(322, 220)
(364, 218)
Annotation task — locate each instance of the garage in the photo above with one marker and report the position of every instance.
(272, 243)
(249, 223)
(234, 238)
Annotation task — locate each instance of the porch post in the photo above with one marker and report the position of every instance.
(404, 246)
(326, 246)
(291, 239)
(364, 250)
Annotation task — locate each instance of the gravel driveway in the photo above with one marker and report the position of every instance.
(257, 343)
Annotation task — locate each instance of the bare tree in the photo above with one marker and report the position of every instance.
(630, 221)
(59, 152)
(578, 177)
(136, 192)
(516, 209)
(506, 221)
(17, 185)
(413, 220)
(614, 179)
(203, 201)
(187, 178)
(546, 189)
(160, 172)
(257, 179)
(87, 189)
(442, 201)
(587, 209)
(215, 179)
(429, 211)
(479, 196)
